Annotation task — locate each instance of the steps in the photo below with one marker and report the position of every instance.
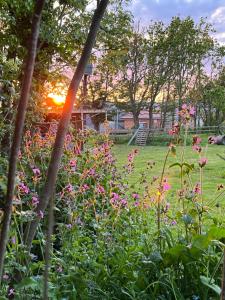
(141, 137)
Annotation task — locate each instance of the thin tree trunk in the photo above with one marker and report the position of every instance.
(19, 125)
(64, 122)
(48, 247)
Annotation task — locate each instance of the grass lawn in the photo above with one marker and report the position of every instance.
(214, 171)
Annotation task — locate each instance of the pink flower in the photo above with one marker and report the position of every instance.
(100, 189)
(69, 188)
(197, 188)
(84, 188)
(166, 186)
(196, 140)
(23, 188)
(197, 148)
(136, 203)
(123, 202)
(77, 151)
(184, 106)
(91, 172)
(202, 162)
(36, 171)
(35, 201)
(135, 196)
(73, 163)
(192, 111)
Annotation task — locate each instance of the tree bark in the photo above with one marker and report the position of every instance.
(64, 122)
(19, 125)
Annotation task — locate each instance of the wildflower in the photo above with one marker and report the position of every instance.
(91, 172)
(166, 186)
(5, 276)
(59, 269)
(202, 162)
(13, 240)
(123, 202)
(173, 223)
(197, 148)
(197, 189)
(175, 130)
(136, 203)
(11, 292)
(167, 207)
(68, 226)
(40, 214)
(135, 196)
(84, 187)
(186, 113)
(73, 163)
(35, 201)
(36, 171)
(100, 189)
(23, 188)
(196, 140)
(158, 193)
(69, 188)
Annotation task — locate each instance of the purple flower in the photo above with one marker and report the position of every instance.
(11, 292)
(59, 269)
(35, 201)
(13, 240)
(68, 226)
(23, 188)
(40, 214)
(73, 164)
(123, 202)
(173, 223)
(69, 188)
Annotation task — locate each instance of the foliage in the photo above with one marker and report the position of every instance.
(106, 229)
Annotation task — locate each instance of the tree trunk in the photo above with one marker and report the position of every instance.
(136, 119)
(19, 125)
(64, 122)
(150, 112)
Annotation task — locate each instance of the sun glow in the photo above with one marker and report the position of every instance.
(57, 99)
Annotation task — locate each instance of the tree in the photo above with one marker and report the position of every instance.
(18, 132)
(132, 76)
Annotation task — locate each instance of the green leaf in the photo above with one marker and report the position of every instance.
(28, 282)
(210, 283)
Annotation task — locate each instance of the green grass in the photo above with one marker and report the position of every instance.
(214, 171)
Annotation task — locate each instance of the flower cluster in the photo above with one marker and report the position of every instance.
(186, 113)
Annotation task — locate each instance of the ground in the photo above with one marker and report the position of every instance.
(214, 172)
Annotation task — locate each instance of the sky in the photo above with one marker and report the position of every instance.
(213, 10)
